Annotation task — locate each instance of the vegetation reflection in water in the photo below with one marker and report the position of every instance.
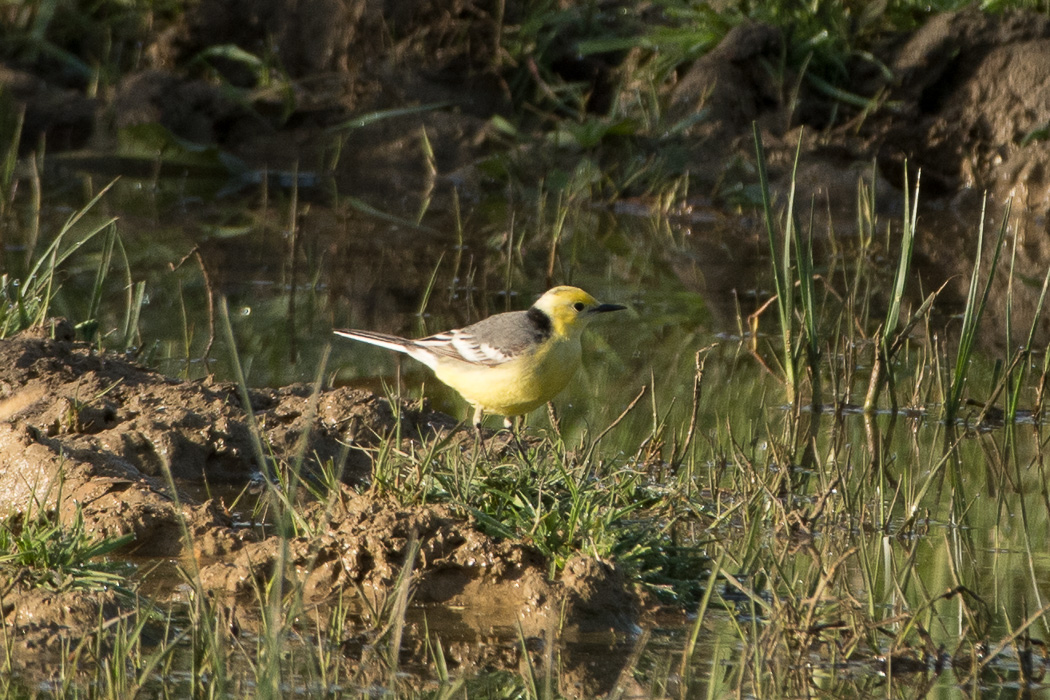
(828, 549)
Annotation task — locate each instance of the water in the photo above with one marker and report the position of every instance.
(937, 535)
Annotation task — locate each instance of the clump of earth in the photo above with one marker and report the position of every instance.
(96, 437)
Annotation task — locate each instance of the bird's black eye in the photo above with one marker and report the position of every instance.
(579, 306)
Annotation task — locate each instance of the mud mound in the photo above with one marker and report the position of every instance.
(367, 542)
(730, 83)
(45, 628)
(974, 94)
(99, 431)
(968, 103)
(92, 435)
(123, 417)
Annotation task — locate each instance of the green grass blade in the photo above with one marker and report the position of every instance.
(1017, 380)
(976, 302)
(782, 269)
(900, 275)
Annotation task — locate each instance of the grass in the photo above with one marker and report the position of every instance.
(794, 267)
(976, 304)
(26, 300)
(38, 550)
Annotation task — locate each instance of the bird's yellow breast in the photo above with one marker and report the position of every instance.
(519, 385)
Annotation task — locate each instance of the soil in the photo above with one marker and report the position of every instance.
(966, 98)
(97, 435)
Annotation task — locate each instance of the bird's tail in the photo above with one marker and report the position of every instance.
(390, 342)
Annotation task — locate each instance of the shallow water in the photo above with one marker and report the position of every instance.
(292, 265)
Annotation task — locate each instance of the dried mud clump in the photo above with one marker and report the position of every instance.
(367, 542)
(974, 95)
(94, 431)
(91, 435)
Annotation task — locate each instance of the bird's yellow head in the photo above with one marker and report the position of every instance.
(570, 309)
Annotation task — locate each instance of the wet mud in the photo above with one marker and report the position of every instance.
(95, 436)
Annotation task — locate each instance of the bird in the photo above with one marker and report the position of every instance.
(510, 363)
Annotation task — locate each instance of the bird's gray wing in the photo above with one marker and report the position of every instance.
(494, 340)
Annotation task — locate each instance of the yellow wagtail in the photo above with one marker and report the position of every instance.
(509, 363)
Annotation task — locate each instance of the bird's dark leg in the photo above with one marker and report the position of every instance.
(513, 426)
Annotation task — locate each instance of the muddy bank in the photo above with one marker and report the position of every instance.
(367, 544)
(94, 434)
(965, 97)
(967, 100)
(100, 432)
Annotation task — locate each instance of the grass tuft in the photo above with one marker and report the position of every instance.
(41, 551)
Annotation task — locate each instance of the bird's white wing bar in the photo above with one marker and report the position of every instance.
(462, 344)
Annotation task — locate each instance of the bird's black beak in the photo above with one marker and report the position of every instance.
(602, 308)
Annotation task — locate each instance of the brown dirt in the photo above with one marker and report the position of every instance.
(96, 432)
(367, 541)
(967, 91)
(128, 422)
(972, 87)
(41, 623)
